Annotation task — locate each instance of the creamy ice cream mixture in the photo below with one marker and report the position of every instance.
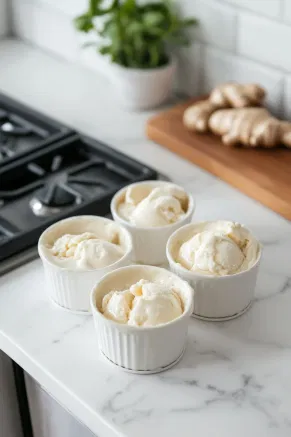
(86, 251)
(218, 249)
(145, 303)
(146, 206)
(83, 244)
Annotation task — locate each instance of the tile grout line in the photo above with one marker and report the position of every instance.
(247, 58)
(242, 9)
(282, 10)
(237, 24)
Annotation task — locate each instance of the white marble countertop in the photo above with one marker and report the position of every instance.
(235, 378)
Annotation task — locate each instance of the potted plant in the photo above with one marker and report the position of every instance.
(138, 38)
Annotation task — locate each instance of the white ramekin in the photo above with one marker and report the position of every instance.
(141, 349)
(70, 289)
(217, 298)
(150, 243)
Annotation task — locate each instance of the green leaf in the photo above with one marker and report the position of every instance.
(154, 56)
(93, 5)
(105, 50)
(129, 6)
(110, 30)
(84, 23)
(153, 19)
(136, 32)
(134, 28)
(99, 11)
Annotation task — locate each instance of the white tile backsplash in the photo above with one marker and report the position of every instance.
(217, 22)
(270, 8)
(3, 18)
(189, 69)
(243, 40)
(46, 27)
(68, 7)
(221, 67)
(265, 41)
(287, 11)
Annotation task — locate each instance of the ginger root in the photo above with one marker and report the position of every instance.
(235, 95)
(250, 127)
(196, 117)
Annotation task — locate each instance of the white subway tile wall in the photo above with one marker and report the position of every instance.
(245, 40)
(4, 27)
(287, 11)
(219, 22)
(219, 67)
(189, 73)
(48, 27)
(270, 8)
(265, 41)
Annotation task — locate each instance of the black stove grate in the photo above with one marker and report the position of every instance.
(74, 176)
(23, 130)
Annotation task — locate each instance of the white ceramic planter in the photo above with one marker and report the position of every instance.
(140, 89)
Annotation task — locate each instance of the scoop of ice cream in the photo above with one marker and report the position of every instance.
(153, 207)
(85, 251)
(116, 305)
(144, 304)
(221, 249)
(154, 304)
(95, 254)
(66, 245)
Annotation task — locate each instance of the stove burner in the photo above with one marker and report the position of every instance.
(11, 128)
(55, 195)
(52, 198)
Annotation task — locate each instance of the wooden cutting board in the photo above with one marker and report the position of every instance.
(264, 175)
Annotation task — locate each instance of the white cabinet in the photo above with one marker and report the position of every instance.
(9, 415)
(49, 418)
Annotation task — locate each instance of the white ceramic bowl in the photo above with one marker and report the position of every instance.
(150, 243)
(216, 297)
(68, 288)
(141, 349)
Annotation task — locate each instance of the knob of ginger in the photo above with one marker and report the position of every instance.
(235, 95)
(196, 117)
(250, 127)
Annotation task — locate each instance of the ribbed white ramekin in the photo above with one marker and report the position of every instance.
(217, 298)
(150, 243)
(70, 289)
(141, 349)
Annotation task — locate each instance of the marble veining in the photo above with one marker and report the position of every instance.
(235, 376)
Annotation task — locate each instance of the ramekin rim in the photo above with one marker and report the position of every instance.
(190, 210)
(182, 269)
(122, 326)
(127, 254)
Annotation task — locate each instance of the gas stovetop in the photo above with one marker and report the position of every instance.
(47, 173)
(23, 130)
